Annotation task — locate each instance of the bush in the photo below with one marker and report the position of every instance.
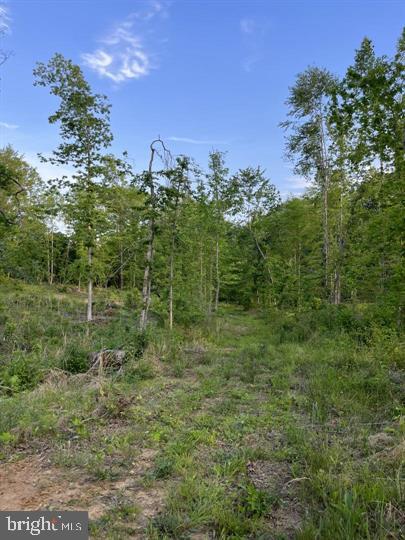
(187, 314)
(21, 373)
(139, 371)
(252, 360)
(75, 359)
(136, 344)
(133, 299)
(357, 321)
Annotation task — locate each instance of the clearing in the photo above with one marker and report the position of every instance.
(232, 430)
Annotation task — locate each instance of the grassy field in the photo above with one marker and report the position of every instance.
(249, 426)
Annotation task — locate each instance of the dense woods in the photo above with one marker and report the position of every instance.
(195, 258)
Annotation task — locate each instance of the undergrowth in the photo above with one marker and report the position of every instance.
(284, 426)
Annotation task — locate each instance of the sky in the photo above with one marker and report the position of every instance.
(201, 74)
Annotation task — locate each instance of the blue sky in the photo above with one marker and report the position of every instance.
(201, 74)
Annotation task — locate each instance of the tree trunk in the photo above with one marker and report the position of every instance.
(52, 260)
(202, 297)
(147, 276)
(90, 287)
(325, 226)
(210, 281)
(217, 278)
(299, 277)
(172, 254)
(121, 268)
(66, 261)
(259, 249)
(146, 288)
(171, 287)
(337, 281)
(324, 174)
(48, 260)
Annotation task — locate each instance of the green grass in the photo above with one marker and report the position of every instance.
(258, 430)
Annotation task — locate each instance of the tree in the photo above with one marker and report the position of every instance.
(179, 187)
(368, 122)
(85, 131)
(123, 205)
(256, 196)
(369, 109)
(308, 145)
(222, 201)
(17, 177)
(294, 229)
(23, 233)
(148, 184)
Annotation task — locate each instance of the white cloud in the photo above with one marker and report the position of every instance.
(121, 57)
(8, 126)
(46, 170)
(247, 26)
(249, 62)
(297, 182)
(4, 19)
(194, 141)
(122, 54)
(294, 186)
(254, 32)
(151, 9)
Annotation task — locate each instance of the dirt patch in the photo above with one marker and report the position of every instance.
(18, 489)
(275, 477)
(286, 520)
(33, 484)
(380, 441)
(266, 475)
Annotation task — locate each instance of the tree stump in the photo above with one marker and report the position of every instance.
(107, 359)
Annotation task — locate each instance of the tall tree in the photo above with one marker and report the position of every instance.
(308, 144)
(370, 109)
(256, 197)
(221, 197)
(179, 187)
(84, 123)
(123, 204)
(17, 177)
(148, 182)
(368, 119)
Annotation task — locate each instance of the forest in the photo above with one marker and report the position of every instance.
(187, 353)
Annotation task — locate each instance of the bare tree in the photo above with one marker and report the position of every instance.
(150, 186)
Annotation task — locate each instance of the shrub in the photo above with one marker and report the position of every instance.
(136, 343)
(133, 299)
(164, 467)
(75, 359)
(252, 360)
(139, 371)
(186, 313)
(22, 372)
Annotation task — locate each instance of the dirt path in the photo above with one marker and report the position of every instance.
(34, 484)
